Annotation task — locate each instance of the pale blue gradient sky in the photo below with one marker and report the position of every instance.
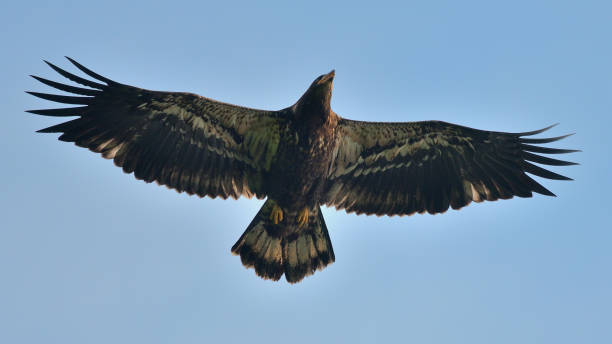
(90, 255)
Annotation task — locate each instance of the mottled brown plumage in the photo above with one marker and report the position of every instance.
(300, 158)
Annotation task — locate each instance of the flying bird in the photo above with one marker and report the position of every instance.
(298, 158)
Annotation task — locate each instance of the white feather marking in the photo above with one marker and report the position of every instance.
(197, 122)
(111, 153)
(475, 194)
(104, 144)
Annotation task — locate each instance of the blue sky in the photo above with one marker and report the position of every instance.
(90, 255)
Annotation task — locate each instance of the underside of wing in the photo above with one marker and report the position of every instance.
(181, 140)
(418, 167)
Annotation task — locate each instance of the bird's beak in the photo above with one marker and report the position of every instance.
(328, 77)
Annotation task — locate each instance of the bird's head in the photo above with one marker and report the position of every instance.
(318, 96)
(323, 85)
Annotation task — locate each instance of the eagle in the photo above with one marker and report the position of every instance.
(298, 159)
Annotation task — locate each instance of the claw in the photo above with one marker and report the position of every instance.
(302, 217)
(276, 215)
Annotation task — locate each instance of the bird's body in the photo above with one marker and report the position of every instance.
(306, 157)
(307, 142)
(299, 158)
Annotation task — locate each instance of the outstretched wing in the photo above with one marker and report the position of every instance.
(403, 168)
(181, 140)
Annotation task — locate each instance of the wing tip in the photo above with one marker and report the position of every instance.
(535, 132)
(50, 64)
(76, 78)
(38, 78)
(545, 140)
(90, 72)
(45, 131)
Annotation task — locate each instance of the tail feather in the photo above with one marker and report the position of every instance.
(285, 248)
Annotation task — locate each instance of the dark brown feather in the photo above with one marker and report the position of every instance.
(441, 161)
(157, 134)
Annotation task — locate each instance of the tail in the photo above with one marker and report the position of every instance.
(285, 248)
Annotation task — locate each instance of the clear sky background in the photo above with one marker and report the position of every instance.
(91, 255)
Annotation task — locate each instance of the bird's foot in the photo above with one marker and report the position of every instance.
(276, 215)
(302, 218)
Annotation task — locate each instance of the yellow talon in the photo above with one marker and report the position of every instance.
(276, 215)
(302, 218)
